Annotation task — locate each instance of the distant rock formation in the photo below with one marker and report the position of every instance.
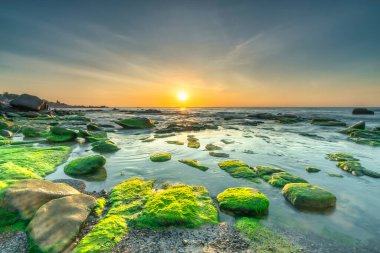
(29, 103)
(361, 111)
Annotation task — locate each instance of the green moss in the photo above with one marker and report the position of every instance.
(104, 147)
(9, 170)
(353, 167)
(94, 136)
(194, 163)
(218, 154)
(178, 205)
(328, 122)
(59, 138)
(126, 201)
(32, 132)
(307, 196)
(175, 142)
(193, 142)
(238, 169)
(311, 169)
(211, 147)
(286, 120)
(100, 205)
(266, 170)
(340, 157)
(366, 137)
(160, 157)
(135, 123)
(264, 240)
(334, 175)
(62, 131)
(243, 201)
(85, 165)
(93, 127)
(280, 179)
(40, 161)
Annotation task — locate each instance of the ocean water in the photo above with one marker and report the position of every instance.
(353, 226)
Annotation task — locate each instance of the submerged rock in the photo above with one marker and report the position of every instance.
(193, 163)
(61, 134)
(307, 196)
(266, 170)
(105, 147)
(85, 165)
(243, 201)
(340, 157)
(31, 132)
(218, 154)
(186, 127)
(175, 142)
(93, 127)
(361, 111)
(135, 123)
(29, 102)
(357, 126)
(52, 234)
(28, 196)
(311, 169)
(211, 147)
(327, 122)
(160, 157)
(193, 142)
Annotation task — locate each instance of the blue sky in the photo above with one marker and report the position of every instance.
(223, 53)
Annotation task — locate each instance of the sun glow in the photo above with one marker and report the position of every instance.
(182, 95)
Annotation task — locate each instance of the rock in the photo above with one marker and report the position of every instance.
(186, 126)
(29, 114)
(29, 195)
(238, 169)
(218, 154)
(266, 170)
(29, 102)
(357, 126)
(13, 241)
(135, 123)
(243, 201)
(361, 111)
(160, 157)
(311, 169)
(175, 142)
(263, 115)
(105, 147)
(31, 132)
(93, 127)
(211, 147)
(341, 157)
(61, 134)
(194, 164)
(193, 142)
(280, 179)
(307, 196)
(327, 122)
(6, 133)
(85, 165)
(57, 223)
(75, 183)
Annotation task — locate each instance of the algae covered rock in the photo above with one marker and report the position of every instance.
(60, 134)
(280, 179)
(175, 142)
(219, 154)
(312, 169)
(357, 126)
(105, 147)
(328, 122)
(27, 196)
(243, 201)
(85, 165)
(238, 169)
(93, 127)
(31, 132)
(193, 163)
(135, 123)
(307, 196)
(60, 232)
(178, 205)
(163, 157)
(193, 142)
(266, 170)
(340, 157)
(212, 147)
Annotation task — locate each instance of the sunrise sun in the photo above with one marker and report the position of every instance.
(182, 95)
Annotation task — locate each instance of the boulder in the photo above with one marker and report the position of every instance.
(57, 223)
(361, 111)
(357, 126)
(85, 165)
(104, 147)
(29, 102)
(6, 133)
(29, 195)
(135, 123)
(307, 196)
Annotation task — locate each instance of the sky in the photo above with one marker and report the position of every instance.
(221, 53)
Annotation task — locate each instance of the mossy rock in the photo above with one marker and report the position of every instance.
(92, 137)
(266, 170)
(193, 142)
(85, 165)
(175, 142)
(219, 154)
(40, 161)
(307, 196)
(341, 157)
(60, 134)
(280, 179)
(353, 167)
(178, 205)
(32, 132)
(6, 133)
(312, 169)
(62, 131)
(93, 127)
(160, 157)
(288, 120)
(243, 201)
(262, 239)
(238, 169)
(104, 147)
(135, 123)
(365, 137)
(59, 138)
(194, 163)
(328, 122)
(212, 147)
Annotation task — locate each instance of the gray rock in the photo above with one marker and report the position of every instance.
(6, 133)
(29, 102)
(75, 183)
(13, 241)
(361, 111)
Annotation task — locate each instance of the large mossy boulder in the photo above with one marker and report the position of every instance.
(105, 147)
(57, 223)
(61, 134)
(135, 123)
(178, 205)
(243, 201)
(27, 196)
(307, 196)
(85, 165)
(29, 102)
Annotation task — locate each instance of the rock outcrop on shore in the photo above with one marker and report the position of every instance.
(362, 111)
(29, 102)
